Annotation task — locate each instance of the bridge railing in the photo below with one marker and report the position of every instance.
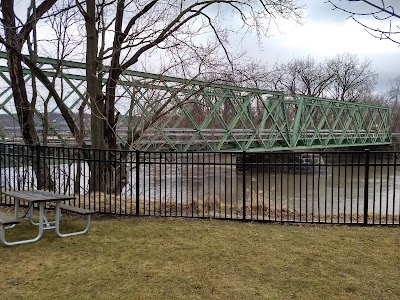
(217, 139)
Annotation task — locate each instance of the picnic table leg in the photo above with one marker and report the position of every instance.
(30, 215)
(38, 237)
(41, 218)
(58, 217)
(46, 222)
(16, 208)
(2, 235)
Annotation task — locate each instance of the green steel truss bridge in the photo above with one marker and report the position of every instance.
(201, 116)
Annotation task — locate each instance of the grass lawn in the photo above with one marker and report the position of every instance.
(151, 258)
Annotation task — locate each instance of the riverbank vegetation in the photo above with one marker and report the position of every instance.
(154, 258)
(258, 208)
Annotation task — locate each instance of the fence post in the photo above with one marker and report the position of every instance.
(244, 183)
(137, 181)
(366, 186)
(38, 172)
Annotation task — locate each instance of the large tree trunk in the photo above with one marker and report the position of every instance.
(94, 92)
(96, 101)
(111, 170)
(22, 106)
(25, 111)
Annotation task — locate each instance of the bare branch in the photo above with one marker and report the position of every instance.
(380, 11)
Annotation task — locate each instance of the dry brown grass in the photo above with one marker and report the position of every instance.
(163, 258)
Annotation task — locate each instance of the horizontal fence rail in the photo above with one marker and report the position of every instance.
(357, 187)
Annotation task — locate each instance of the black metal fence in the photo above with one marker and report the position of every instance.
(357, 187)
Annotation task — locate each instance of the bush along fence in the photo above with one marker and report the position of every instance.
(355, 187)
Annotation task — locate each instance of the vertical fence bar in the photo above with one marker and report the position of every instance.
(263, 187)
(137, 181)
(144, 183)
(381, 199)
(230, 183)
(351, 187)
(275, 189)
(244, 183)
(345, 188)
(281, 208)
(214, 187)
(296, 167)
(394, 190)
(251, 184)
(192, 185)
(2, 175)
(366, 179)
(165, 184)
(11, 157)
(358, 186)
(202, 174)
(176, 185)
(38, 173)
(374, 180)
(387, 188)
(269, 186)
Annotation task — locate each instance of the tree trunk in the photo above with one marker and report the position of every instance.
(96, 100)
(25, 111)
(22, 106)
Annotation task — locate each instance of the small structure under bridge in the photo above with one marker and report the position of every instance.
(201, 116)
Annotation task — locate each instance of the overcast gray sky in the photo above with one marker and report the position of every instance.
(326, 33)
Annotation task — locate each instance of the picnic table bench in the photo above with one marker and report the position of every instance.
(6, 220)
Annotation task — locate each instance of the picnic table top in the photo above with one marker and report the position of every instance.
(37, 196)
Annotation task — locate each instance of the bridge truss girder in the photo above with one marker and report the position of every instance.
(202, 116)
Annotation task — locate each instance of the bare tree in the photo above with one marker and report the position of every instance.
(393, 101)
(344, 77)
(353, 78)
(15, 38)
(14, 42)
(384, 11)
(151, 28)
(306, 77)
(16, 34)
(121, 33)
(156, 27)
(64, 44)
